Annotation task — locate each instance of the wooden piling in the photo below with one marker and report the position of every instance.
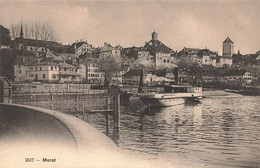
(116, 112)
(51, 101)
(77, 97)
(107, 123)
(83, 110)
(29, 96)
(22, 98)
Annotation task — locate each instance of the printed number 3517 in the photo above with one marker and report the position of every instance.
(29, 159)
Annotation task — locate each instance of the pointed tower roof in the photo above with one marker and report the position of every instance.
(21, 32)
(228, 40)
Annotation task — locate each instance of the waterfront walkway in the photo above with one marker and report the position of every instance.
(39, 133)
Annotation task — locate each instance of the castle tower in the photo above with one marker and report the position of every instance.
(228, 48)
(154, 36)
(21, 32)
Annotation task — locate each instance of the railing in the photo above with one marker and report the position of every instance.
(78, 103)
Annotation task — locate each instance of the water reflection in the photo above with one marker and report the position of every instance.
(221, 131)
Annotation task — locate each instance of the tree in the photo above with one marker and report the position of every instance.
(184, 63)
(109, 66)
(4, 36)
(34, 30)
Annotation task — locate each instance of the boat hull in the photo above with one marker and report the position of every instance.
(163, 100)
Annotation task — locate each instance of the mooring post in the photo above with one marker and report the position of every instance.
(107, 123)
(83, 110)
(52, 107)
(77, 102)
(117, 112)
(22, 99)
(29, 98)
(36, 99)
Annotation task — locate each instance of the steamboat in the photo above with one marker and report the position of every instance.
(170, 95)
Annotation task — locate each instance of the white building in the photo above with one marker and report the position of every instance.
(80, 48)
(45, 69)
(93, 73)
(108, 51)
(161, 53)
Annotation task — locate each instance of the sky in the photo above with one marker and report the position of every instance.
(187, 23)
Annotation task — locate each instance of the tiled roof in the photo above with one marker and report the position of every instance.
(106, 47)
(195, 70)
(52, 45)
(131, 52)
(235, 72)
(208, 70)
(69, 73)
(23, 57)
(71, 48)
(228, 40)
(206, 52)
(185, 51)
(133, 72)
(66, 65)
(48, 61)
(156, 46)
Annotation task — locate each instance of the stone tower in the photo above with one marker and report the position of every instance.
(154, 36)
(228, 48)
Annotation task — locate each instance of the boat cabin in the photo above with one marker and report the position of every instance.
(173, 89)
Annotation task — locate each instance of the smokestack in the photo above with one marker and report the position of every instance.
(176, 75)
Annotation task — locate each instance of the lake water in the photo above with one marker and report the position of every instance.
(222, 131)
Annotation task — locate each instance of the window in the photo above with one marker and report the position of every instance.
(19, 65)
(40, 68)
(31, 75)
(51, 67)
(53, 76)
(35, 68)
(65, 69)
(31, 68)
(43, 76)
